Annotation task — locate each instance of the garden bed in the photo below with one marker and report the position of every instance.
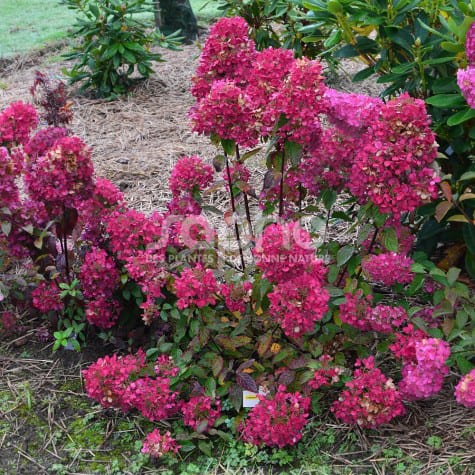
(49, 426)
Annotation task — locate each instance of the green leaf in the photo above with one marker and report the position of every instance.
(469, 236)
(470, 264)
(446, 100)
(205, 447)
(94, 10)
(344, 255)
(328, 197)
(333, 272)
(452, 47)
(333, 39)
(390, 240)
(6, 227)
(461, 116)
(464, 365)
(461, 319)
(452, 275)
(293, 151)
(363, 74)
(129, 57)
(229, 146)
(467, 176)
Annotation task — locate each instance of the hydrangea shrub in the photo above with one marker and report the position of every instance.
(288, 314)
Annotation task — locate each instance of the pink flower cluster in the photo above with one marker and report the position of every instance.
(284, 251)
(285, 255)
(103, 312)
(358, 312)
(327, 374)
(404, 345)
(300, 101)
(9, 194)
(130, 231)
(94, 212)
(46, 297)
(228, 112)
(146, 268)
(236, 296)
(201, 412)
(391, 166)
(270, 68)
(389, 268)
(276, 421)
(99, 278)
(156, 444)
(165, 367)
(370, 398)
(188, 175)
(465, 390)
(352, 113)
(16, 123)
(466, 77)
(106, 381)
(466, 83)
(152, 397)
(329, 162)
(196, 286)
(99, 275)
(298, 303)
(470, 44)
(423, 377)
(242, 94)
(43, 140)
(228, 52)
(63, 176)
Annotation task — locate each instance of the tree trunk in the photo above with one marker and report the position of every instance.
(173, 15)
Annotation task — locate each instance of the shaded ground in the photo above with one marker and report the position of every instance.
(47, 425)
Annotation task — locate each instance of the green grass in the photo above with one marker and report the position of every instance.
(26, 25)
(30, 24)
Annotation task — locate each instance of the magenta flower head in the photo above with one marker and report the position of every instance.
(465, 390)
(351, 112)
(470, 45)
(196, 286)
(9, 194)
(190, 174)
(227, 54)
(63, 176)
(107, 380)
(156, 444)
(369, 399)
(300, 101)
(297, 304)
(16, 123)
(389, 268)
(284, 251)
(228, 112)
(392, 166)
(466, 82)
(277, 421)
(269, 70)
(201, 412)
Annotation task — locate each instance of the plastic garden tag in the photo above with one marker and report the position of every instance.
(250, 399)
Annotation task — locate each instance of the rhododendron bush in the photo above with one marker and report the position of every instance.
(289, 312)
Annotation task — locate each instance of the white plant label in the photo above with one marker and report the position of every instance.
(250, 399)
